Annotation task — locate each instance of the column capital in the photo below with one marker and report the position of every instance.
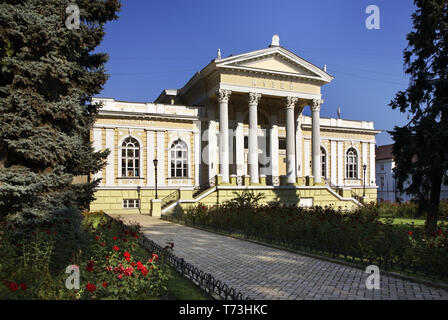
(291, 102)
(223, 95)
(315, 104)
(254, 98)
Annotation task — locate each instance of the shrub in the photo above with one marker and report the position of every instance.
(112, 264)
(359, 234)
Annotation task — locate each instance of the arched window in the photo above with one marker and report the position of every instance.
(179, 159)
(323, 162)
(351, 164)
(130, 158)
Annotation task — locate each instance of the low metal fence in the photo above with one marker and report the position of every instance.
(313, 247)
(206, 281)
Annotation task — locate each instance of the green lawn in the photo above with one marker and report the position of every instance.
(180, 288)
(416, 222)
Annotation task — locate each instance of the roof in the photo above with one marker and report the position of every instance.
(234, 62)
(384, 152)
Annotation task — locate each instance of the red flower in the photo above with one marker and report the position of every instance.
(90, 287)
(48, 232)
(90, 266)
(133, 264)
(126, 254)
(104, 284)
(155, 257)
(102, 243)
(97, 238)
(409, 232)
(125, 240)
(23, 286)
(120, 276)
(13, 286)
(116, 248)
(115, 238)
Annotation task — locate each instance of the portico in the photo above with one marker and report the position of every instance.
(293, 107)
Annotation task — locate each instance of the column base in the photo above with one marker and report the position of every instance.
(220, 181)
(300, 181)
(156, 208)
(309, 181)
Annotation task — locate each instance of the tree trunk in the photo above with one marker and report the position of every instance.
(434, 200)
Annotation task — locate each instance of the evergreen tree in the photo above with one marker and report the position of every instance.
(421, 146)
(48, 75)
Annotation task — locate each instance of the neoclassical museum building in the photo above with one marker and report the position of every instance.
(236, 125)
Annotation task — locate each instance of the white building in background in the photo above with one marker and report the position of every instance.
(387, 185)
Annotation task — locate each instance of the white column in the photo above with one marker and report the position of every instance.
(197, 157)
(299, 141)
(161, 157)
(365, 160)
(254, 98)
(290, 140)
(223, 99)
(372, 163)
(239, 145)
(110, 144)
(333, 158)
(212, 143)
(307, 152)
(315, 109)
(97, 145)
(150, 147)
(274, 154)
(340, 163)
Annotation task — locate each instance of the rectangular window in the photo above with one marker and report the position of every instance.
(282, 143)
(131, 203)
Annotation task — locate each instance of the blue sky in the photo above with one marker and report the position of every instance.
(157, 45)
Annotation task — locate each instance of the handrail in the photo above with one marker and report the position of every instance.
(172, 197)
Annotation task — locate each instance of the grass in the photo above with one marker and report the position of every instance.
(409, 221)
(180, 288)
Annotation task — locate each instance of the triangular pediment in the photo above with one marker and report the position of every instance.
(277, 63)
(274, 60)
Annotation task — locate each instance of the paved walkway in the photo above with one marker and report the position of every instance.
(261, 272)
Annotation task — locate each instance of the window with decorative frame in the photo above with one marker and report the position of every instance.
(323, 162)
(351, 164)
(130, 158)
(179, 159)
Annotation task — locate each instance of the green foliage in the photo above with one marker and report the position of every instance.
(111, 262)
(408, 210)
(420, 147)
(247, 198)
(48, 75)
(357, 234)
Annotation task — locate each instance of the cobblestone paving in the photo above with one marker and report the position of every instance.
(261, 272)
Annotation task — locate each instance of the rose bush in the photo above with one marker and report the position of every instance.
(111, 262)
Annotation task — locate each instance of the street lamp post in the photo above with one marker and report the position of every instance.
(364, 167)
(139, 188)
(155, 161)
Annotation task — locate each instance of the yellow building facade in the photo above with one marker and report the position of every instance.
(237, 124)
